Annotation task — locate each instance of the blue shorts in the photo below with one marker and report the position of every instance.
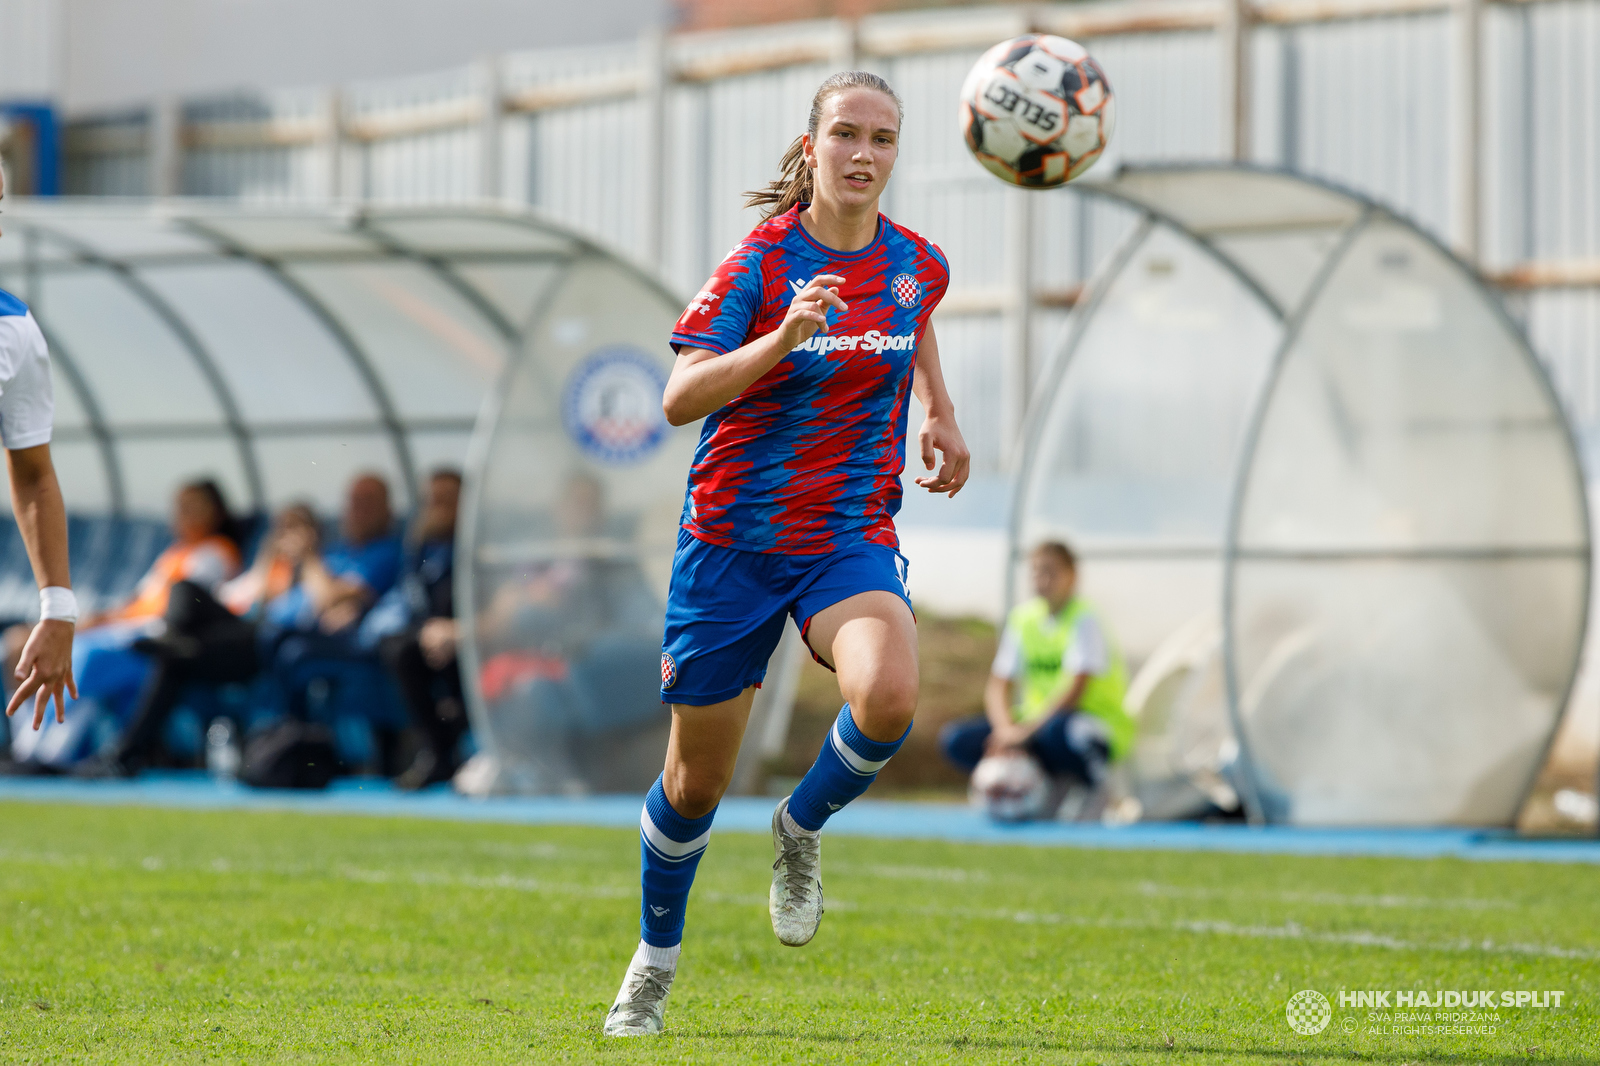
(726, 608)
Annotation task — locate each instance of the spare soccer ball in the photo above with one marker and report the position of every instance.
(1009, 787)
(1037, 110)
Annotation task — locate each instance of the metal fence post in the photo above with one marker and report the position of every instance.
(846, 44)
(1016, 370)
(1466, 106)
(652, 105)
(491, 108)
(333, 142)
(1233, 60)
(164, 146)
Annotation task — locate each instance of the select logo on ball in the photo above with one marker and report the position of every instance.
(1037, 110)
(611, 405)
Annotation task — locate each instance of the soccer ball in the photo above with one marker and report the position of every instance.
(1037, 110)
(1010, 787)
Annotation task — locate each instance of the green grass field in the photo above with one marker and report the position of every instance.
(137, 935)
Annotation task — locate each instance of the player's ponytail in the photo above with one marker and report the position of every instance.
(794, 187)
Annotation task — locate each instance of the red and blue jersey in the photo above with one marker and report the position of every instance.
(808, 459)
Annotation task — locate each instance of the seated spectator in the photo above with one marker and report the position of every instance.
(208, 638)
(415, 633)
(1055, 690)
(302, 604)
(335, 588)
(205, 551)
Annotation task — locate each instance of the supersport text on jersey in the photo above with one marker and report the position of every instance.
(808, 459)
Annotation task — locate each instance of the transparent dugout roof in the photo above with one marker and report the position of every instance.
(1326, 494)
(284, 350)
(279, 350)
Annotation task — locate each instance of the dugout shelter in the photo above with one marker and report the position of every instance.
(1325, 488)
(281, 350)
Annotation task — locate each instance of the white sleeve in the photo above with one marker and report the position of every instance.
(27, 398)
(1008, 657)
(208, 568)
(1086, 651)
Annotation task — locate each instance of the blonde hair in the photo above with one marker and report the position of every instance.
(795, 184)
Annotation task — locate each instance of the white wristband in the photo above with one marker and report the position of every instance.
(57, 604)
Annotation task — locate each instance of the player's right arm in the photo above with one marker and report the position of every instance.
(45, 669)
(704, 380)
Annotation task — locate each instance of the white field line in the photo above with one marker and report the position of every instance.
(509, 882)
(43, 858)
(1286, 931)
(1329, 899)
(955, 874)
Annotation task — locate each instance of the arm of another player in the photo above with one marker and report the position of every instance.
(46, 665)
(703, 380)
(939, 432)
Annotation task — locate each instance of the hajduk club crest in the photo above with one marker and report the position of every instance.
(907, 290)
(611, 406)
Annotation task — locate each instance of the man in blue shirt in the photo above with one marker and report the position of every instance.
(314, 624)
(414, 631)
(337, 587)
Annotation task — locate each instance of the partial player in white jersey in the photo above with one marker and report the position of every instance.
(27, 413)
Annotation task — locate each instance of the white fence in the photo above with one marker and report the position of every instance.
(1480, 121)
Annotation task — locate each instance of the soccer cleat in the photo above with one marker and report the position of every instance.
(640, 1002)
(795, 901)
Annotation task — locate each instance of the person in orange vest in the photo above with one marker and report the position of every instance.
(205, 550)
(210, 638)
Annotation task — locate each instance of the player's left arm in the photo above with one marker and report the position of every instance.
(939, 431)
(46, 665)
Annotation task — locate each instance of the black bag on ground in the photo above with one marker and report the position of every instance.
(290, 754)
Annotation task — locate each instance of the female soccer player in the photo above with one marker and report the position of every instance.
(801, 354)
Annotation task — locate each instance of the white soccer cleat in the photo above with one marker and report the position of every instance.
(795, 901)
(640, 1002)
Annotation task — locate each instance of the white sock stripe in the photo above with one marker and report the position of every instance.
(861, 766)
(659, 857)
(665, 846)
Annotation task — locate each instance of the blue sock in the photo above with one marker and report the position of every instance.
(670, 847)
(847, 764)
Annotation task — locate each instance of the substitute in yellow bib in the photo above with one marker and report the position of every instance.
(1057, 684)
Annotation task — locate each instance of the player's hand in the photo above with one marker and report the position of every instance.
(939, 434)
(44, 670)
(341, 614)
(808, 311)
(1000, 741)
(438, 640)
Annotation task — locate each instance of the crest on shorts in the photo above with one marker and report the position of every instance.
(669, 670)
(907, 290)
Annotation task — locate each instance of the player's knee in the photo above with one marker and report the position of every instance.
(692, 795)
(887, 706)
